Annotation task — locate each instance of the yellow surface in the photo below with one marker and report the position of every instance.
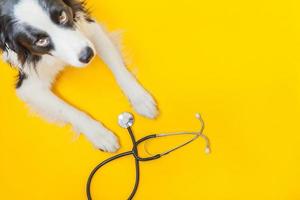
(236, 62)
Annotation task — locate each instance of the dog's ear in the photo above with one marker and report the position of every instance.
(8, 41)
(79, 6)
(76, 5)
(6, 32)
(3, 22)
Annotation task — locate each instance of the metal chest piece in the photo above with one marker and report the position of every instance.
(126, 120)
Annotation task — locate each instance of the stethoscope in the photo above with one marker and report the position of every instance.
(126, 121)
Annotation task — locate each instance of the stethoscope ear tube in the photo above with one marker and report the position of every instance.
(196, 136)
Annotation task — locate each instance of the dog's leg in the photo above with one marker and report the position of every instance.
(37, 95)
(140, 99)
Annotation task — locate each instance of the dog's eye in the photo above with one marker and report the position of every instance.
(63, 18)
(42, 42)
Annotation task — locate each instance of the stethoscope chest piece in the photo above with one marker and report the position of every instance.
(126, 120)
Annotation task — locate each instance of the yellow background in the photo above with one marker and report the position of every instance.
(236, 62)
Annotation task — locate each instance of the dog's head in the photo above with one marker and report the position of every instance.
(33, 28)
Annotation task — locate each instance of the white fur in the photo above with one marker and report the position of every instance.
(36, 89)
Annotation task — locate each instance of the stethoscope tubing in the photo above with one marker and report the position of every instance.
(88, 185)
(138, 159)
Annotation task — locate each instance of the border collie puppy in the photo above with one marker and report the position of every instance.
(40, 37)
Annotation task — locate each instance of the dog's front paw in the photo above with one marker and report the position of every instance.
(100, 137)
(143, 103)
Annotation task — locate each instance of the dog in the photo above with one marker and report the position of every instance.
(40, 37)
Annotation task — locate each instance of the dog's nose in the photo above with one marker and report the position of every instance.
(86, 55)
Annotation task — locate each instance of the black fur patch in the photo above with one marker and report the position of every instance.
(21, 77)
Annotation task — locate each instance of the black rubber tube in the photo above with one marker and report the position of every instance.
(137, 179)
(137, 163)
(134, 153)
(88, 185)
